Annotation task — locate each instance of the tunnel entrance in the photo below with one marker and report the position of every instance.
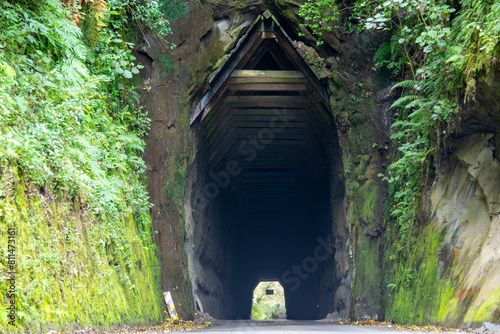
(264, 197)
(268, 302)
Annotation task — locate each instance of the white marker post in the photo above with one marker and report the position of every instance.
(170, 306)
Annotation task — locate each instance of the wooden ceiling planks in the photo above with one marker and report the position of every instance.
(271, 121)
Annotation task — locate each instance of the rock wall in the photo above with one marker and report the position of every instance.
(456, 252)
(206, 243)
(167, 97)
(360, 100)
(455, 281)
(465, 200)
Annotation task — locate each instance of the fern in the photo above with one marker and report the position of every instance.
(382, 55)
(403, 101)
(94, 21)
(74, 70)
(8, 71)
(413, 104)
(405, 84)
(132, 142)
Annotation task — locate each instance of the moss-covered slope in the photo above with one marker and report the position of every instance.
(76, 246)
(69, 274)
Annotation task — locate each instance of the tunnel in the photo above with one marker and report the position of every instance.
(265, 192)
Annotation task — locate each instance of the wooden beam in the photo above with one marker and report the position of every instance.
(257, 57)
(322, 112)
(289, 152)
(265, 74)
(252, 50)
(221, 154)
(279, 149)
(221, 132)
(222, 142)
(277, 105)
(267, 119)
(267, 162)
(214, 102)
(253, 59)
(271, 47)
(214, 123)
(264, 124)
(280, 56)
(298, 134)
(242, 80)
(268, 35)
(268, 87)
(268, 98)
(277, 115)
(286, 43)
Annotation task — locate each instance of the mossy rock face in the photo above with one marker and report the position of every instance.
(69, 275)
(367, 292)
(448, 277)
(355, 110)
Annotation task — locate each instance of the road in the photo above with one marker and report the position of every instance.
(286, 326)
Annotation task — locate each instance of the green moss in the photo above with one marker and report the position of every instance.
(368, 277)
(69, 276)
(205, 62)
(369, 199)
(447, 304)
(414, 295)
(337, 78)
(363, 195)
(487, 310)
(357, 118)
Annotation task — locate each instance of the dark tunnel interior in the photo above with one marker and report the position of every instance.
(265, 192)
(278, 224)
(270, 221)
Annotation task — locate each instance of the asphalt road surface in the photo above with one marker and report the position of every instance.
(286, 326)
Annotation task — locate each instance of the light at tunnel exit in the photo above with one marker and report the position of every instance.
(268, 301)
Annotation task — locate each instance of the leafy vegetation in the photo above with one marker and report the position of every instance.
(436, 53)
(71, 168)
(319, 15)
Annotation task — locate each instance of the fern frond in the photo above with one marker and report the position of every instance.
(70, 36)
(417, 113)
(403, 101)
(98, 9)
(132, 142)
(406, 84)
(8, 70)
(382, 54)
(74, 70)
(413, 104)
(94, 21)
(74, 8)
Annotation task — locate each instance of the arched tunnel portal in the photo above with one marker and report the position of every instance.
(265, 194)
